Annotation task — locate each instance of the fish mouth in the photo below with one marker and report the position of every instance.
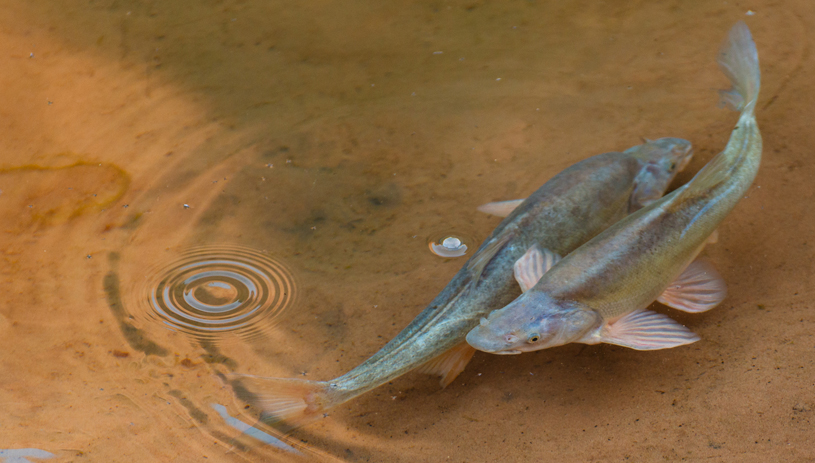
(481, 338)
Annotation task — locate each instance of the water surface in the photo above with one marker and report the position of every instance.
(334, 141)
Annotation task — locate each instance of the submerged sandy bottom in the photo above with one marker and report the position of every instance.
(337, 139)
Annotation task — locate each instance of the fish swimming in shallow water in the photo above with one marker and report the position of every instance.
(599, 292)
(564, 213)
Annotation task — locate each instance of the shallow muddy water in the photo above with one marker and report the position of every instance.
(199, 189)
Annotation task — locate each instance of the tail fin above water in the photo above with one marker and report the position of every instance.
(287, 403)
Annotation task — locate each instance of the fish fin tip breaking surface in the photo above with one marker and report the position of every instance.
(449, 364)
(500, 208)
(646, 330)
(698, 289)
(532, 265)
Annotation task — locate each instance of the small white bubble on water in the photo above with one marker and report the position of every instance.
(451, 243)
(449, 247)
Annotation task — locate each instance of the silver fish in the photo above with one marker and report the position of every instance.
(599, 292)
(564, 213)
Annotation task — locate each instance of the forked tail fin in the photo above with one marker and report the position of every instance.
(738, 59)
(287, 403)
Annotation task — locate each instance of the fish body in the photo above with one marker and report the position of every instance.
(567, 211)
(564, 213)
(599, 292)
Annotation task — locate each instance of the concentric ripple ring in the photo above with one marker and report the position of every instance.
(214, 290)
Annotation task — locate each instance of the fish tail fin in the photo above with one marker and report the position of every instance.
(738, 59)
(287, 403)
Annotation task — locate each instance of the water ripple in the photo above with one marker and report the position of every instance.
(221, 289)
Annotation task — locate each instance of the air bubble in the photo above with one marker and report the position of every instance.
(449, 246)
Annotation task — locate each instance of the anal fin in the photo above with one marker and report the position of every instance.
(532, 265)
(646, 330)
(501, 208)
(449, 364)
(699, 288)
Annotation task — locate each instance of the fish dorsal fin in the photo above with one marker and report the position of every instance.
(501, 208)
(716, 171)
(646, 330)
(532, 265)
(485, 255)
(449, 364)
(699, 288)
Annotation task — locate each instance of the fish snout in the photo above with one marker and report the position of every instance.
(482, 338)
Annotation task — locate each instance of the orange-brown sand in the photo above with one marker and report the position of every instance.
(337, 137)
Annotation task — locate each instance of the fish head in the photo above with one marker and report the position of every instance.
(531, 322)
(660, 161)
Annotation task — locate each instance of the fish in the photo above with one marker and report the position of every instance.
(565, 212)
(599, 293)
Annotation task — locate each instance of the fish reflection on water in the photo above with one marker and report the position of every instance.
(214, 290)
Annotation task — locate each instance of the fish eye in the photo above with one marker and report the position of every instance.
(534, 337)
(673, 166)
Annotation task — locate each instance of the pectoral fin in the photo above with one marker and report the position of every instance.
(697, 289)
(501, 208)
(449, 364)
(532, 265)
(646, 330)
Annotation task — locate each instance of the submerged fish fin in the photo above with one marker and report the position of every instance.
(501, 208)
(738, 60)
(286, 402)
(449, 364)
(714, 237)
(483, 256)
(532, 265)
(646, 330)
(699, 288)
(716, 171)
